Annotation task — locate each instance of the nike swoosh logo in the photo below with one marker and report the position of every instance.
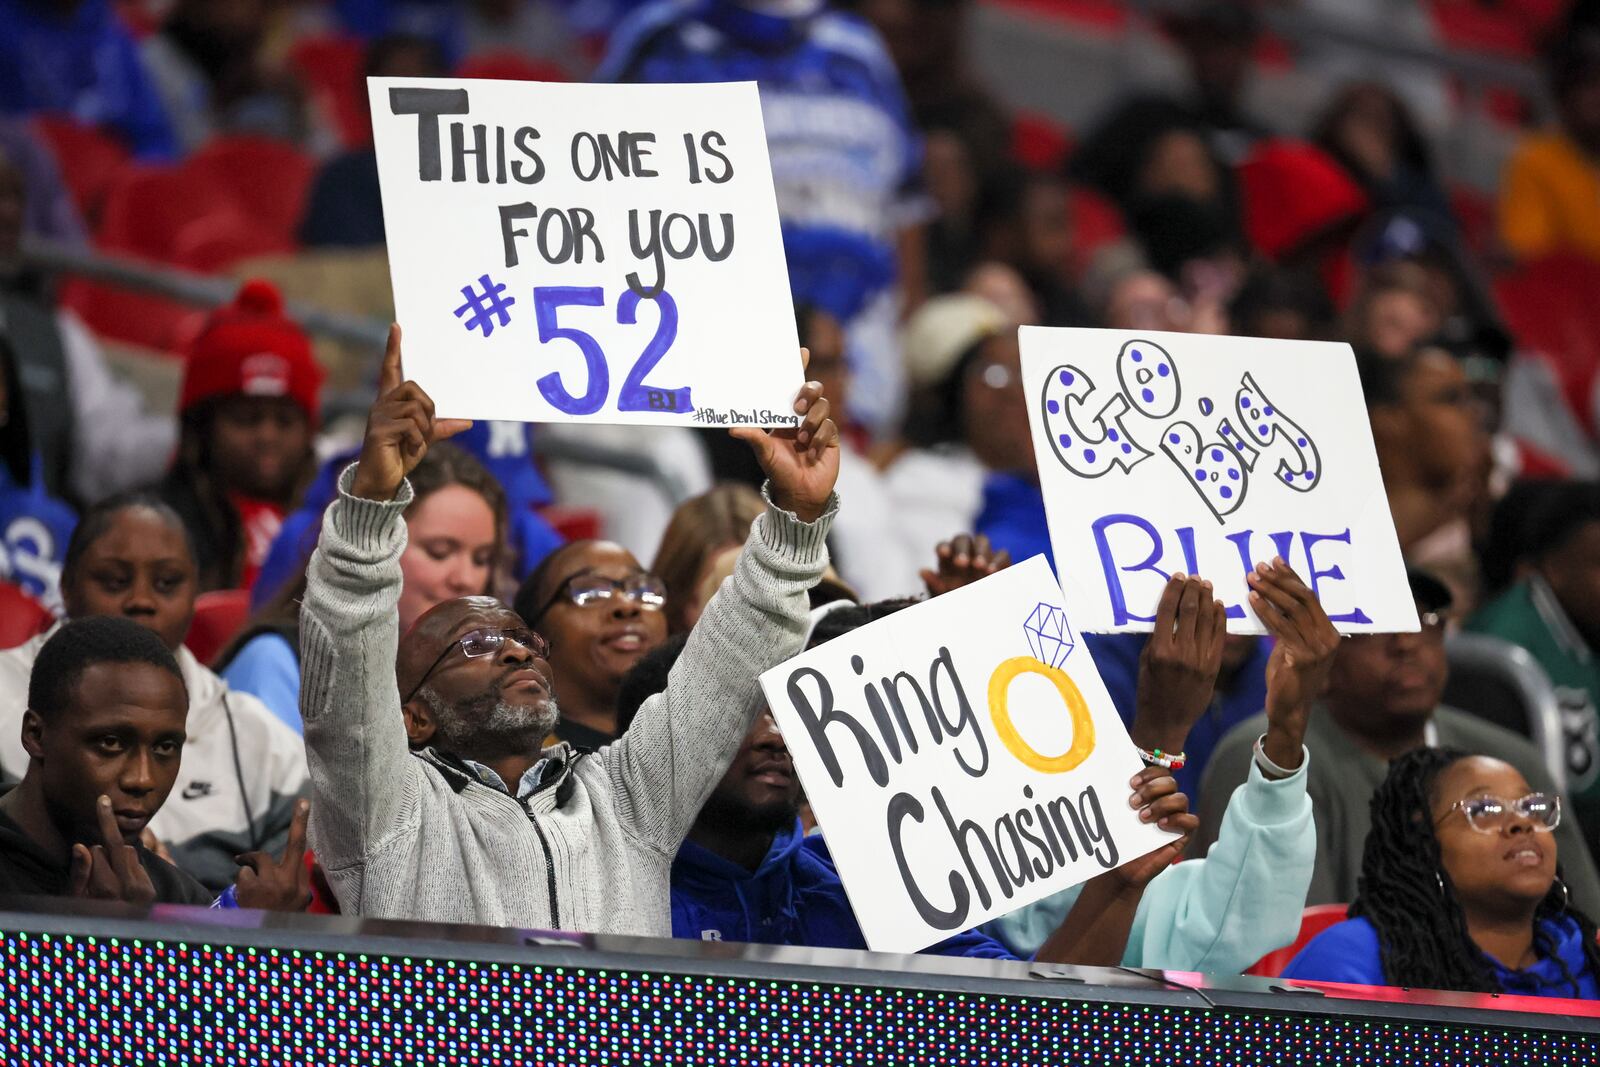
(196, 790)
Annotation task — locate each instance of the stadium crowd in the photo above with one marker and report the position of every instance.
(473, 684)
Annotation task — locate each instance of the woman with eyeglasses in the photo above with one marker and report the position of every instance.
(1460, 889)
(601, 612)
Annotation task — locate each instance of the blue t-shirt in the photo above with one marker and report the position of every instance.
(1349, 952)
(268, 668)
(34, 530)
(82, 63)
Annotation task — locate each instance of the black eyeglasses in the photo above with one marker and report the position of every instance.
(486, 642)
(586, 587)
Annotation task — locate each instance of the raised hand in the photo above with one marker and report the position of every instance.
(1155, 794)
(802, 463)
(400, 427)
(963, 559)
(1178, 667)
(281, 884)
(1301, 660)
(111, 869)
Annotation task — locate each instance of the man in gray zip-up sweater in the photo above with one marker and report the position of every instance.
(587, 841)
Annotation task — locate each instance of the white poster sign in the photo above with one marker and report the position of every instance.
(962, 757)
(586, 253)
(1162, 452)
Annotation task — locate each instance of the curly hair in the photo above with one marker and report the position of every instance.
(1407, 895)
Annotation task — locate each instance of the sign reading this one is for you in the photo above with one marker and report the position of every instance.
(586, 253)
(962, 757)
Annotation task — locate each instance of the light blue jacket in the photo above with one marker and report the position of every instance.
(1216, 915)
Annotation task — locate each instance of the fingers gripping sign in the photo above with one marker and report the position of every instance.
(964, 559)
(400, 428)
(1301, 660)
(1157, 799)
(802, 462)
(1179, 664)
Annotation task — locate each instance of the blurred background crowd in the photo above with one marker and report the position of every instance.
(193, 285)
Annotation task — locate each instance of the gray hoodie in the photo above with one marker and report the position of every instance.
(420, 837)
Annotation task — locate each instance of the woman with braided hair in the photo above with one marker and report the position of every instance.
(1460, 889)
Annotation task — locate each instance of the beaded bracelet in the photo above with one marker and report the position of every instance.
(1172, 761)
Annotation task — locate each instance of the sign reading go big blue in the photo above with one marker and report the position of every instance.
(599, 253)
(962, 757)
(1163, 452)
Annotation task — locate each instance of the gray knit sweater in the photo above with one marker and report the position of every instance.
(417, 837)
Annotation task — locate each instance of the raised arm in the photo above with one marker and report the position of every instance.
(349, 629)
(680, 743)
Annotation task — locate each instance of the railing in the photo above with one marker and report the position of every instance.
(207, 291)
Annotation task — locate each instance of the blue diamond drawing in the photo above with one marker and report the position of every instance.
(1049, 636)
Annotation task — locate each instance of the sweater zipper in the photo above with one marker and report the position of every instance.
(550, 873)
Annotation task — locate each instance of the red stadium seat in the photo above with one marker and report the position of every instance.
(1039, 142)
(1550, 309)
(573, 524)
(21, 616)
(218, 618)
(330, 68)
(90, 160)
(1313, 921)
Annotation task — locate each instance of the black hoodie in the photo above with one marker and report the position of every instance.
(28, 870)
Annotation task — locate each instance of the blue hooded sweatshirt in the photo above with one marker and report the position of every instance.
(1349, 952)
(794, 897)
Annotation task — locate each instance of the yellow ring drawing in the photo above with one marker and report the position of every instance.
(1082, 723)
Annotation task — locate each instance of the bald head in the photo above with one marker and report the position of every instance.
(441, 624)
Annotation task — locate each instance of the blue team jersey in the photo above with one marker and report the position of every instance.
(846, 159)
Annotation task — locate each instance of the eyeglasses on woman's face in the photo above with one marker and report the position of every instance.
(1490, 814)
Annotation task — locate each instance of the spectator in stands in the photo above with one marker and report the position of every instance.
(850, 198)
(208, 67)
(1024, 220)
(76, 58)
(90, 429)
(1395, 310)
(104, 732)
(1554, 613)
(1460, 889)
(601, 611)
(588, 841)
(34, 525)
(690, 560)
(1433, 454)
(1373, 135)
(954, 186)
(1281, 304)
(1004, 287)
(749, 872)
(344, 207)
(131, 557)
(1382, 700)
(1550, 196)
(249, 406)
(455, 547)
(1244, 898)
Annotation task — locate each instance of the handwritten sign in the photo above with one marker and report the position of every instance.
(1163, 452)
(962, 757)
(586, 253)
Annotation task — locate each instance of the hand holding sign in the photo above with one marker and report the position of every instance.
(964, 559)
(1297, 671)
(1179, 664)
(400, 427)
(802, 463)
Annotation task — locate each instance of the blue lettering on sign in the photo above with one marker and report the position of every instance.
(635, 394)
(1147, 550)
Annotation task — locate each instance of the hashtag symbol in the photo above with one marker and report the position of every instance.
(485, 305)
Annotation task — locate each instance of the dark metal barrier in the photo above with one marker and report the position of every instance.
(189, 986)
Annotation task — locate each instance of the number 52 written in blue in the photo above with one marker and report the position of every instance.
(635, 394)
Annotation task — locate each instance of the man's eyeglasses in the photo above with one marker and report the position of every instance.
(1491, 814)
(488, 641)
(586, 588)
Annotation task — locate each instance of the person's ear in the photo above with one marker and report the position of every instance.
(33, 734)
(420, 726)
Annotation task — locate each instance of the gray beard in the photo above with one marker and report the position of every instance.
(487, 727)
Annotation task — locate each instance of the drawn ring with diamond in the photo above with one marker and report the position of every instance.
(1082, 723)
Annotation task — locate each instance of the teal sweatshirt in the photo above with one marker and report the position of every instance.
(1216, 915)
